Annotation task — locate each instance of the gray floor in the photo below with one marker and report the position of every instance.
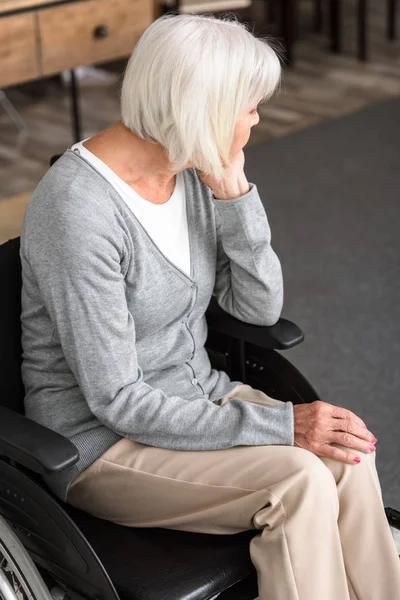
(332, 194)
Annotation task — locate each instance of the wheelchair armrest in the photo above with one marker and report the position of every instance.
(34, 446)
(281, 336)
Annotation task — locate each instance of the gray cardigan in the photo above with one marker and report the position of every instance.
(113, 333)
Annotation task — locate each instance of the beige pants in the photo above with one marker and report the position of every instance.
(323, 531)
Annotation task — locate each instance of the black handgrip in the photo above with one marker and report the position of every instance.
(100, 32)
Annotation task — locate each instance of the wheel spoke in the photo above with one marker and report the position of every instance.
(14, 589)
(19, 577)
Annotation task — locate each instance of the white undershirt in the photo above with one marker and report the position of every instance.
(165, 223)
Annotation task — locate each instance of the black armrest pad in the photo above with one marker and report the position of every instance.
(281, 336)
(34, 446)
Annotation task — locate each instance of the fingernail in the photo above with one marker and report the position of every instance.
(372, 448)
(357, 459)
(374, 439)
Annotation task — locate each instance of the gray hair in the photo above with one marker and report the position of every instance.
(188, 80)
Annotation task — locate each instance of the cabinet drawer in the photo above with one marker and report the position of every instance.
(18, 53)
(91, 31)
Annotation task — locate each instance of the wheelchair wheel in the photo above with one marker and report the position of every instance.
(19, 577)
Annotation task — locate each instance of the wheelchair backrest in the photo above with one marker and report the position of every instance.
(12, 390)
(11, 386)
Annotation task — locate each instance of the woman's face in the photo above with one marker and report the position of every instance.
(246, 121)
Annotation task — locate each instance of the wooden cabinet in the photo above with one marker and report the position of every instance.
(92, 31)
(19, 59)
(44, 40)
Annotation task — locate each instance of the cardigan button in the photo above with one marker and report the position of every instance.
(194, 381)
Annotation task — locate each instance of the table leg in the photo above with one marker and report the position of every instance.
(76, 121)
(391, 19)
(288, 17)
(270, 10)
(318, 16)
(335, 10)
(362, 29)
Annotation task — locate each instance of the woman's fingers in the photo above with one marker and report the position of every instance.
(325, 449)
(338, 454)
(352, 442)
(350, 423)
(338, 412)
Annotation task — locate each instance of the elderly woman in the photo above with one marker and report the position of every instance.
(125, 240)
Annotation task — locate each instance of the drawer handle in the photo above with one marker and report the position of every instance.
(100, 32)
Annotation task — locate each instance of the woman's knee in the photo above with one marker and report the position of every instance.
(265, 466)
(298, 479)
(309, 473)
(312, 465)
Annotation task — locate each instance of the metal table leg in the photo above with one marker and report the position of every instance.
(288, 18)
(391, 19)
(335, 10)
(75, 114)
(318, 16)
(270, 11)
(362, 29)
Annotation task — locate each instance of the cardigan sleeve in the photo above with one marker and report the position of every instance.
(249, 283)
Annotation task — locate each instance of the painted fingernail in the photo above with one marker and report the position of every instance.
(357, 459)
(372, 448)
(374, 439)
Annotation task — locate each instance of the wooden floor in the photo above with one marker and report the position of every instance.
(318, 87)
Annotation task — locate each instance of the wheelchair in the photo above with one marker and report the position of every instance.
(51, 551)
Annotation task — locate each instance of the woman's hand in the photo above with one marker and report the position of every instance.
(234, 182)
(318, 424)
